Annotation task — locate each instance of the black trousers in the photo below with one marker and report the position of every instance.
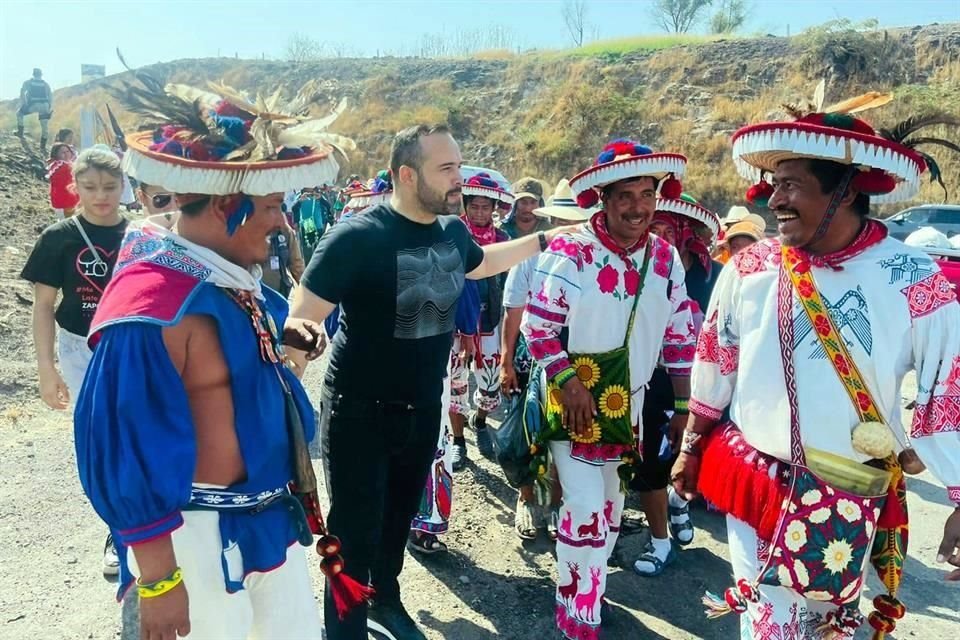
(652, 473)
(376, 459)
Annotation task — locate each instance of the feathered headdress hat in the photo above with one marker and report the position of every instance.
(378, 192)
(483, 184)
(888, 162)
(218, 142)
(623, 160)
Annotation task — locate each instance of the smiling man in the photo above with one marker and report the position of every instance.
(188, 422)
(397, 272)
(618, 294)
(806, 342)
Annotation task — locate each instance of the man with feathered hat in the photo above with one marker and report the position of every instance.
(807, 340)
(191, 431)
(598, 346)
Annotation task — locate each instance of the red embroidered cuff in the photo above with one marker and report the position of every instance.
(151, 531)
(704, 410)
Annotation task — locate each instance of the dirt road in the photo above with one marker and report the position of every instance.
(488, 586)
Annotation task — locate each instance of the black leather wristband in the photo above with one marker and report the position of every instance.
(542, 237)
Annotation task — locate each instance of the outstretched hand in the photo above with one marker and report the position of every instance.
(305, 335)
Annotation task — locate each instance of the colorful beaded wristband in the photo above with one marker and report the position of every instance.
(561, 378)
(681, 405)
(160, 587)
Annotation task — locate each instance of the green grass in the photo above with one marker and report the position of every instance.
(655, 42)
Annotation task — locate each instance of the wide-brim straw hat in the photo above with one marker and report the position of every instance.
(562, 205)
(693, 210)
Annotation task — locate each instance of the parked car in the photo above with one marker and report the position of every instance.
(942, 217)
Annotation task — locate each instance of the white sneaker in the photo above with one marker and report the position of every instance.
(111, 562)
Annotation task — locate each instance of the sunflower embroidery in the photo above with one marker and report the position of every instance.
(587, 370)
(592, 437)
(614, 401)
(554, 406)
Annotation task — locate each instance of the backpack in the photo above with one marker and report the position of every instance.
(37, 91)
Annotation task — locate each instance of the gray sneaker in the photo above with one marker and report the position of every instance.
(459, 456)
(485, 442)
(111, 562)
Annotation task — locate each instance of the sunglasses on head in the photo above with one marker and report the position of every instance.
(161, 200)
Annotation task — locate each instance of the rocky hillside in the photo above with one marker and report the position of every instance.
(547, 114)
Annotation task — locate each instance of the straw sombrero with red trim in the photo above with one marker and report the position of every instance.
(623, 160)
(483, 184)
(688, 207)
(379, 192)
(889, 164)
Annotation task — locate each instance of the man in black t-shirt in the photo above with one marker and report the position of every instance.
(397, 272)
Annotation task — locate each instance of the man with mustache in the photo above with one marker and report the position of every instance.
(806, 342)
(397, 272)
(608, 302)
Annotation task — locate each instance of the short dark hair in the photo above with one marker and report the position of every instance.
(829, 174)
(195, 208)
(406, 149)
(63, 134)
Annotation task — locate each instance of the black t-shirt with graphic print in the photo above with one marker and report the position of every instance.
(61, 259)
(398, 283)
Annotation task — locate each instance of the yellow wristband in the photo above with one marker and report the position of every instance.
(160, 587)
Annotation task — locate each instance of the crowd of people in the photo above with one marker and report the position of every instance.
(666, 351)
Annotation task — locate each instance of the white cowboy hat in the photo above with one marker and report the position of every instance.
(563, 205)
(739, 213)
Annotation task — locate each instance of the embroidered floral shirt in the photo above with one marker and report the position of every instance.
(586, 284)
(896, 312)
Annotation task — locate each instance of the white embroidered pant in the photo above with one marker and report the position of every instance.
(435, 505)
(272, 605)
(589, 527)
(486, 373)
(781, 614)
(74, 356)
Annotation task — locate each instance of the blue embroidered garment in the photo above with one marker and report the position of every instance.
(134, 432)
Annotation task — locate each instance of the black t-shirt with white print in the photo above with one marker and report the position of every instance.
(398, 283)
(62, 259)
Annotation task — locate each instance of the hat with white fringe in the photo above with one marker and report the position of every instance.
(219, 142)
(886, 164)
(379, 192)
(625, 160)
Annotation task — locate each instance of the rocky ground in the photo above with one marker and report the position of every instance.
(490, 585)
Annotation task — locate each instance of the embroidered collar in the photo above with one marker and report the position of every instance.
(599, 225)
(872, 233)
(483, 235)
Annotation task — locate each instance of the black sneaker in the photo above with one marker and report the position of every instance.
(459, 456)
(485, 443)
(391, 621)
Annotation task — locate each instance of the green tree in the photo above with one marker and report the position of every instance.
(678, 16)
(729, 17)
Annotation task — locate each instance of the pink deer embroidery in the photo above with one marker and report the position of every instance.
(608, 513)
(568, 591)
(566, 524)
(587, 602)
(670, 336)
(592, 529)
(542, 296)
(561, 300)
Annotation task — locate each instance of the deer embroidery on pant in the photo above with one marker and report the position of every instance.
(568, 591)
(591, 530)
(566, 524)
(608, 513)
(587, 602)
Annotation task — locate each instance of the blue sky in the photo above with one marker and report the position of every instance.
(59, 35)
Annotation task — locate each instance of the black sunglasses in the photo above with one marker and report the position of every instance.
(161, 200)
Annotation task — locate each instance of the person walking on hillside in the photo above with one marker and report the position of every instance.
(36, 97)
(74, 258)
(398, 272)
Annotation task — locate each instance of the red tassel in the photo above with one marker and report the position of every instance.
(874, 182)
(588, 198)
(760, 193)
(671, 188)
(347, 593)
(740, 486)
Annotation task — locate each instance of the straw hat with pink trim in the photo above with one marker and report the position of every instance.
(624, 160)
